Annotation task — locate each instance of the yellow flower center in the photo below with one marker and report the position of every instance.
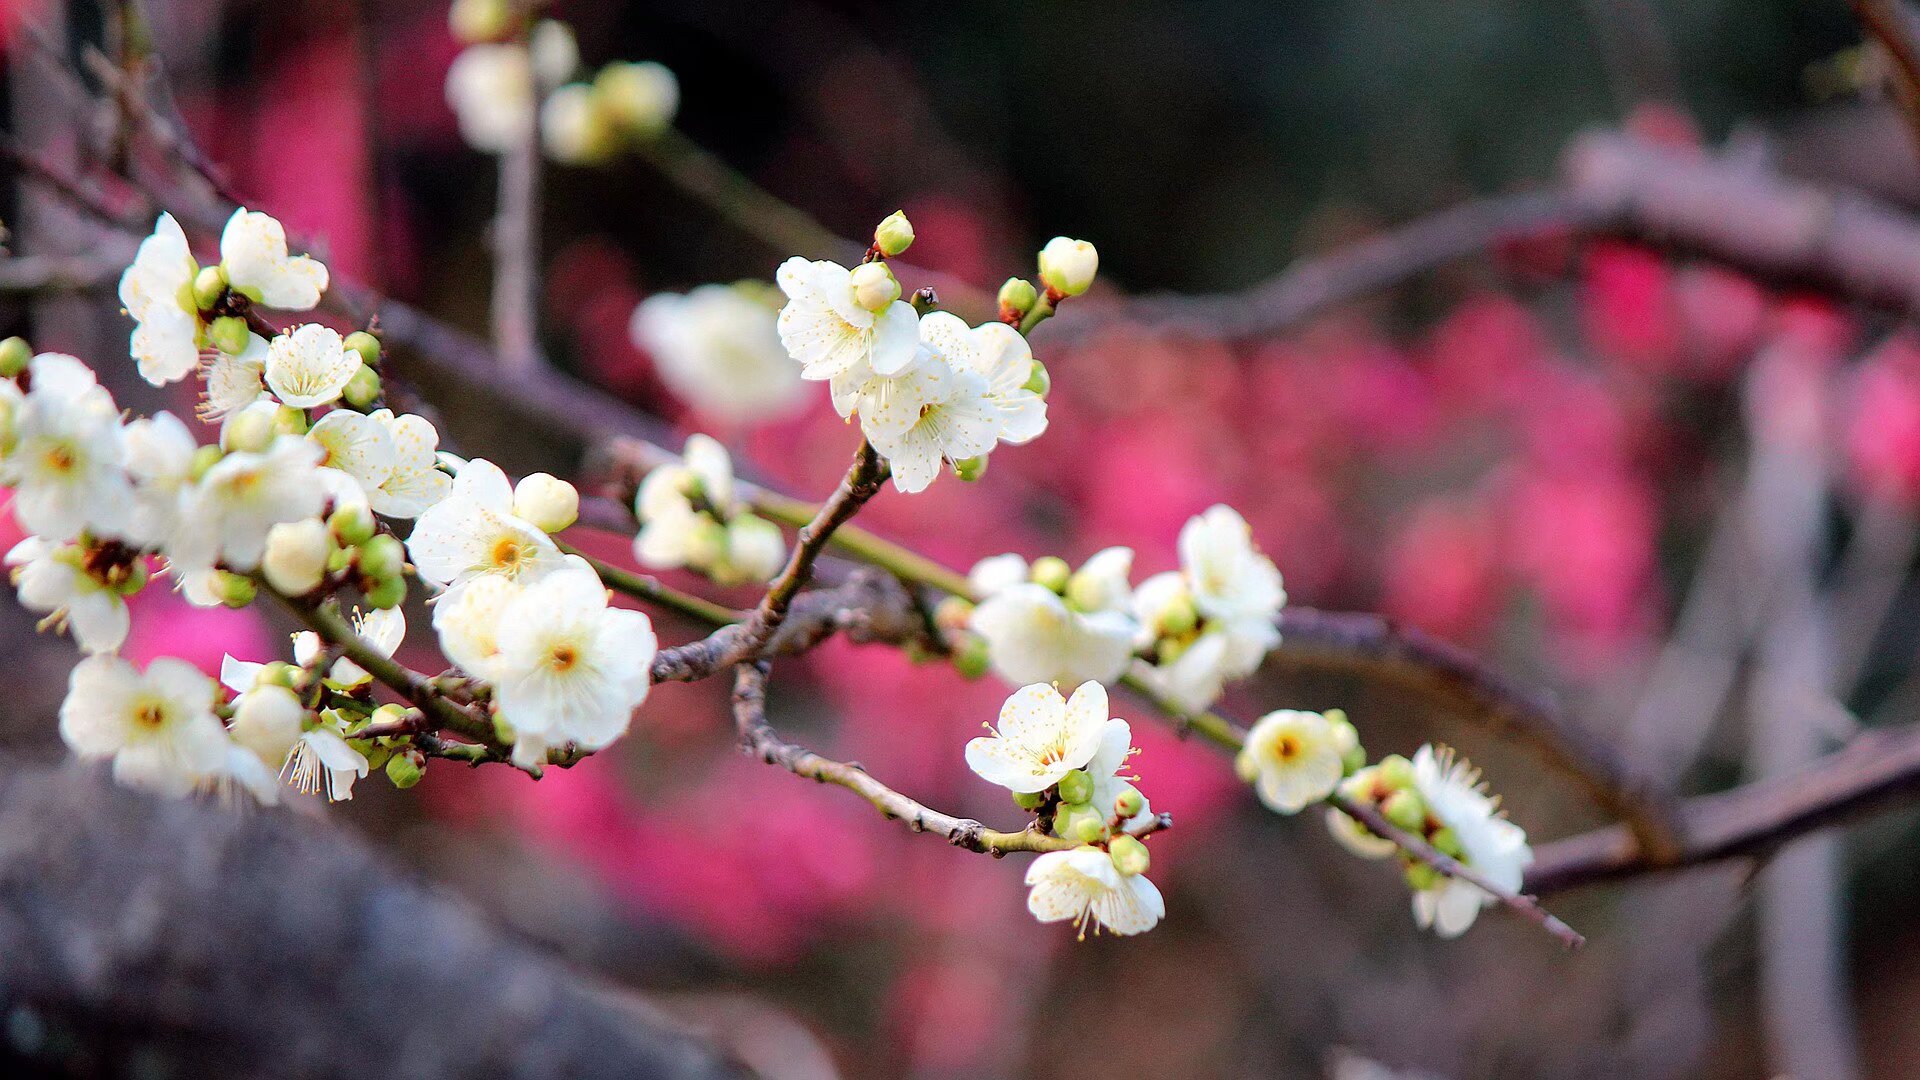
(151, 715)
(563, 656)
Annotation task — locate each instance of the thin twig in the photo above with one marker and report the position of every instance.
(757, 737)
(1373, 819)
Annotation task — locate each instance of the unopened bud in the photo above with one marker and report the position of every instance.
(209, 285)
(1068, 266)
(1447, 842)
(251, 430)
(1051, 571)
(131, 577)
(1076, 787)
(382, 556)
(15, 355)
(1129, 855)
(1421, 877)
(232, 589)
(641, 97)
(1029, 800)
(366, 345)
(971, 469)
(1080, 823)
(1179, 617)
(894, 235)
(204, 458)
(953, 613)
(874, 286)
(1017, 297)
(363, 390)
(1128, 804)
(276, 673)
(352, 524)
(1406, 810)
(475, 21)
(756, 550)
(1038, 380)
(406, 768)
(1396, 773)
(296, 557)
(267, 720)
(555, 52)
(288, 420)
(387, 592)
(229, 334)
(970, 656)
(547, 502)
(576, 128)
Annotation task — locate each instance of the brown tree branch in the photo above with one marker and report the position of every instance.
(1875, 771)
(218, 944)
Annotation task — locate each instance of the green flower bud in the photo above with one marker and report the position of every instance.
(277, 673)
(894, 235)
(389, 714)
(204, 458)
(363, 390)
(209, 286)
(382, 557)
(406, 768)
(1051, 571)
(970, 657)
(250, 430)
(387, 592)
(1396, 772)
(1421, 877)
(339, 559)
(874, 286)
(1017, 297)
(1129, 804)
(1407, 810)
(1447, 842)
(229, 334)
(233, 590)
(1029, 800)
(1068, 266)
(288, 420)
(15, 354)
(1080, 823)
(641, 97)
(1354, 760)
(1129, 855)
(352, 525)
(366, 345)
(1179, 618)
(547, 502)
(971, 469)
(1076, 787)
(475, 21)
(1038, 380)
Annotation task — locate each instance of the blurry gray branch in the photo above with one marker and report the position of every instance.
(1896, 29)
(224, 956)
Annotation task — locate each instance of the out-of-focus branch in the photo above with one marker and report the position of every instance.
(226, 957)
(1877, 770)
(516, 254)
(757, 737)
(1894, 26)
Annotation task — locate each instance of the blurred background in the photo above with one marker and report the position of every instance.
(1646, 482)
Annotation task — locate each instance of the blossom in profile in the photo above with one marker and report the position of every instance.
(1084, 887)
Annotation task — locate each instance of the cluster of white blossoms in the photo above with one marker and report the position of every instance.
(1065, 759)
(1185, 633)
(511, 76)
(298, 494)
(1438, 797)
(689, 517)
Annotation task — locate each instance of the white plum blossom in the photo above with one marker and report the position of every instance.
(569, 668)
(689, 518)
(1213, 620)
(383, 629)
(253, 250)
(225, 516)
(53, 579)
(1041, 737)
(391, 459)
(468, 623)
(1231, 581)
(159, 453)
(490, 88)
(66, 465)
(831, 335)
(157, 726)
(267, 717)
(1107, 768)
(1033, 635)
(234, 382)
(156, 290)
(473, 531)
(323, 763)
(718, 349)
(1082, 886)
(997, 572)
(1000, 355)
(1294, 758)
(309, 366)
(1493, 846)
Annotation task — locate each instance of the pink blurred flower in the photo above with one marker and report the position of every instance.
(1881, 417)
(1440, 571)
